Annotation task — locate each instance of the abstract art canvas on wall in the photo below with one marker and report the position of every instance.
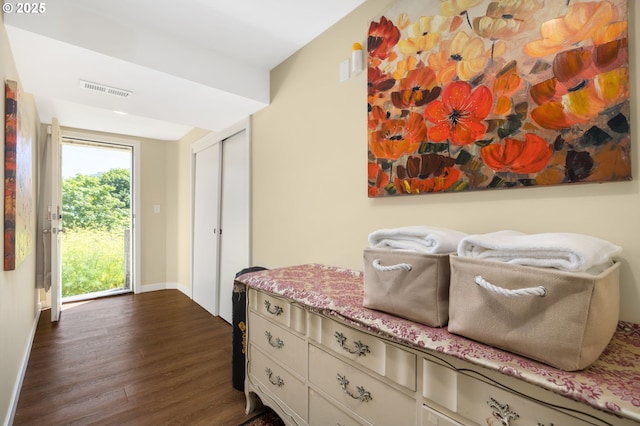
(18, 210)
(474, 94)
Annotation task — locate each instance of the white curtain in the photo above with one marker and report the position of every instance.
(43, 225)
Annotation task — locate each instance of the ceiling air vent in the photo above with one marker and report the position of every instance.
(101, 88)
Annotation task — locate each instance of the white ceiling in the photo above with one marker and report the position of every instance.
(188, 63)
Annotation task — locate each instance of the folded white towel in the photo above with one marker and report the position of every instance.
(420, 239)
(565, 251)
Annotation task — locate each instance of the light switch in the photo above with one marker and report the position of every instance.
(344, 70)
(156, 208)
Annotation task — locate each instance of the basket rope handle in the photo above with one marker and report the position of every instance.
(530, 291)
(405, 266)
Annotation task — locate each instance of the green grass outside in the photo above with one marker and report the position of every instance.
(92, 261)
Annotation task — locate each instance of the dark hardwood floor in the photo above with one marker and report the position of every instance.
(154, 358)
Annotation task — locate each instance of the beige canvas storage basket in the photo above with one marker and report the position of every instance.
(562, 319)
(411, 285)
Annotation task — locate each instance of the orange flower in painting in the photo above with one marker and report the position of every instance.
(403, 21)
(593, 97)
(574, 68)
(416, 89)
(586, 82)
(582, 21)
(612, 87)
(462, 56)
(377, 180)
(430, 24)
(523, 9)
(583, 103)
(552, 115)
(417, 46)
(613, 31)
(425, 35)
(443, 65)
(403, 66)
(398, 137)
(376, 116)
(506, 83)
(503, 105)
(613, 54)
(425, 165)
(382, 38)
(544, 91)
(506, 18)
(497, 28)
(439, 183)
(528, 156)
(457, 7)
(459, 115)
(377, 81)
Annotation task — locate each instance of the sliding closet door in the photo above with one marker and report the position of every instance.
(234, 219)
(221, 222)
(206, 227)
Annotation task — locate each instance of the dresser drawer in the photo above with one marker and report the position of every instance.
(272, 378)
(431, 417)
(358, 391)
(280, 344)
(278, 309)
(322, 412)
(439, 384)
(482, 402)
(369, 351)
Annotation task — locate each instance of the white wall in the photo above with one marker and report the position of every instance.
(18, 296)
(309, 173)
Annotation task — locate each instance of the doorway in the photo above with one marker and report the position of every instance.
(97, 215)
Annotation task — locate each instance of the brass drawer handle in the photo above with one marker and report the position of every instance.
(277, 382)
(363, 395)
(277, 310)
(360, 348)
(278, 343)
(502, 412)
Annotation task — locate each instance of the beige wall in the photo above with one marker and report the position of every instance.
(18, 297)
(153, 242)
(309, 150)
(179, 209)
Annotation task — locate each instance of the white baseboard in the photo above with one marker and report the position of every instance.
(166, 286)
(153, 287)
(177, 286)
(23, 369)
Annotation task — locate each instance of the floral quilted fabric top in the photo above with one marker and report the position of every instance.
(611, 384)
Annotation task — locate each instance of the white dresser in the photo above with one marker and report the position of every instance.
(316, 368)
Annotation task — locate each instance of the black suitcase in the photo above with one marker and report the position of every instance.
(239, 333)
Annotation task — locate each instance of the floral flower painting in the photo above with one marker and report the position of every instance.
(18, 202)
(474, 94)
